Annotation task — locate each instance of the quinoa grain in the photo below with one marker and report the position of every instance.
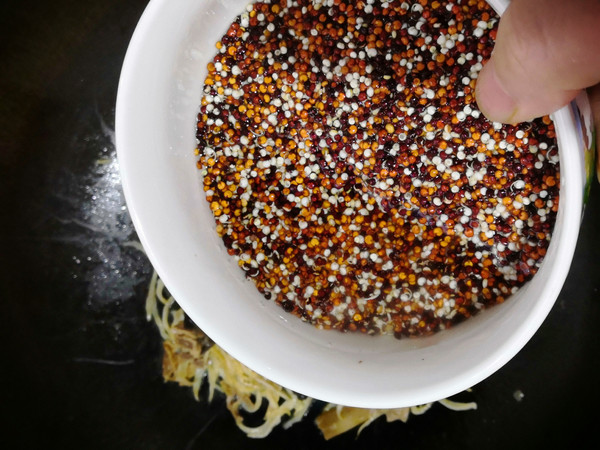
(351, 174)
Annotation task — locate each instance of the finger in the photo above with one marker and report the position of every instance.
(546, 51)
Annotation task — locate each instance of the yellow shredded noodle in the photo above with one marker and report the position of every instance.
(191, 357)
(337, 419)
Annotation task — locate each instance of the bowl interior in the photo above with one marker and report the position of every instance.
(159, 94)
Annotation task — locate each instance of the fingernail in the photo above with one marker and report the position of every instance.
(492, 99)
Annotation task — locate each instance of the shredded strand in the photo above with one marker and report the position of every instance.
(190, 358)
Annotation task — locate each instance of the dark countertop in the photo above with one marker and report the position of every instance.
(82, 366)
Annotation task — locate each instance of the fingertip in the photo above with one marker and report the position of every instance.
(492, 99)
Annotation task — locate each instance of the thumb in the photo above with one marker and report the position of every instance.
(546, 51)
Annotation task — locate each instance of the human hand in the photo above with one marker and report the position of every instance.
(546, 52)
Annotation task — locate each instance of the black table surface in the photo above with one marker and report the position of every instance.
(81, 366)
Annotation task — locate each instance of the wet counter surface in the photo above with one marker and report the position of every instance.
(82, 366)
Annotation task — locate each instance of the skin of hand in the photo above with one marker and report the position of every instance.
(546, 52)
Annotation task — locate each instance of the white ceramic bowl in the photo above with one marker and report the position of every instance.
(158, 99)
